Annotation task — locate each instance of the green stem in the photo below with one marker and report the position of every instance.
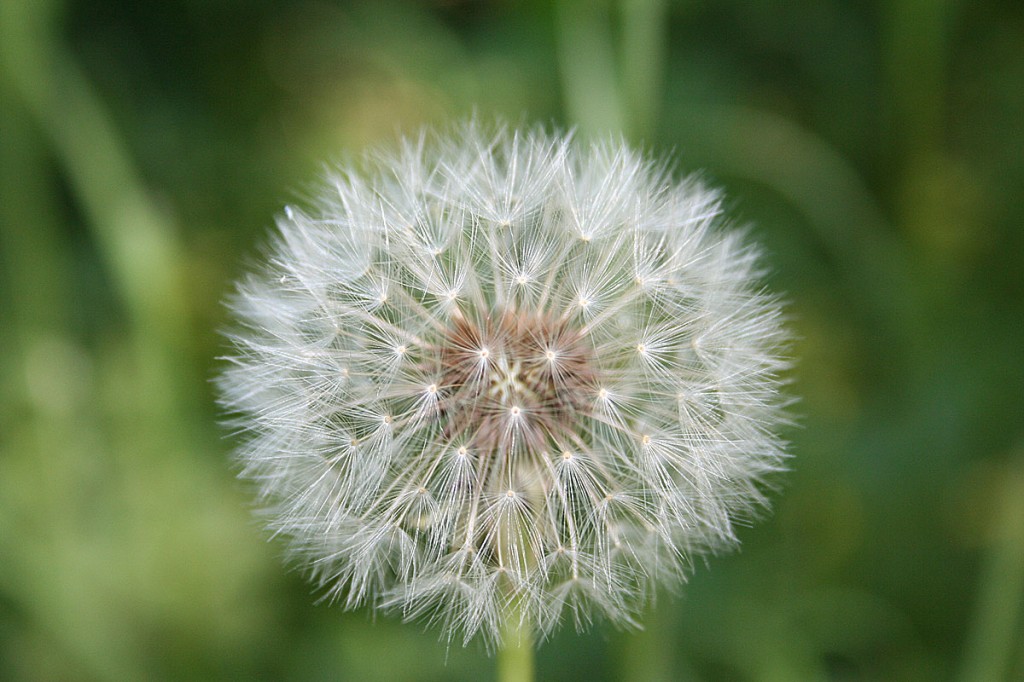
(515, 652)
(644, 44)
(995, 633)
(587, 62)
(136, 238)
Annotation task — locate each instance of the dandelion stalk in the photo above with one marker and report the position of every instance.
(515, 653)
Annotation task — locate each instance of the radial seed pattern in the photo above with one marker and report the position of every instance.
(497, 369)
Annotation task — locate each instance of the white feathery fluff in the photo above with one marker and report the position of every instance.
(498, 372)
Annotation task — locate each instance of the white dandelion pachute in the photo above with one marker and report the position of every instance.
(499, 369)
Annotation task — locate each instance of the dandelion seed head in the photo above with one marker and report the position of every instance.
(493, 367)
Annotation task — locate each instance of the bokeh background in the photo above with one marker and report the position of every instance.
(874, 146)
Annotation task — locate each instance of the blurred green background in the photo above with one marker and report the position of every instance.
(875, 147)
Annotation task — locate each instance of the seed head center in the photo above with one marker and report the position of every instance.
(513, 380)
(506, 380)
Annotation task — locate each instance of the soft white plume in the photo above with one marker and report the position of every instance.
(497, 369)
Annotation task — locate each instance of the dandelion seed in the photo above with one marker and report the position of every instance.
(497, 368)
